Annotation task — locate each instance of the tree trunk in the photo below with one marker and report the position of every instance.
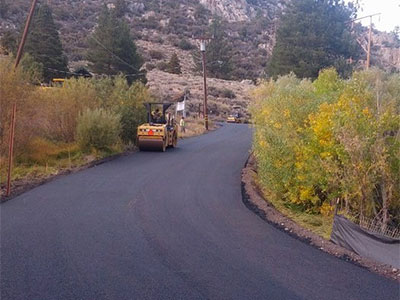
(386, 196)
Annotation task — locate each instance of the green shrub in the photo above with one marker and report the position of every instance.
(129, 105)
(150, 66)
(98, 129)
(185, 45)
(227, 93)
(221, 92)
(162, 66)
(331, 140)
(174, 65)
(154, 54)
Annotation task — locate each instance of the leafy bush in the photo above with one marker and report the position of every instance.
(150, 66)
(227, 93)
(331, 140)
(174, 65)
(162, 66)
(154, 54)
(129, 102)
(46, 130)
(184, 44)
(61, 107)
(223, 93)
(98, 129)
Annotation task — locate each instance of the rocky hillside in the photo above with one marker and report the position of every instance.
(162, 27)
(251, 28)
(386, 51)
(165, 22)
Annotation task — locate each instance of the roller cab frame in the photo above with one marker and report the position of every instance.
(234, 118)
(160, 131)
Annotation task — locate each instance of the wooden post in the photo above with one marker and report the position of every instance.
(14, 111)
(369, 44)
(11, 149)
(199, 110)
(205, 89)
(25, 33)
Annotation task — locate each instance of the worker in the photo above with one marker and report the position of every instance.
(182, 124)
(156, 116)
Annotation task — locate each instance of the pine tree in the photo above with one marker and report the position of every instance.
(4, 6)
(112, 50)
(314, 34)
(174, 65)
(121, 8)
(44, 45)
(219, 53)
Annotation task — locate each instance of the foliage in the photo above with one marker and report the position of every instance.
(49, 115)
(162, 66)
(331, 140)
(150, 66)
(129, 105)
(314, 35)
(81, 71)
(184, 44)
(174, 65)
(223, 93)
(154, 54)
(121, 8)
(44, 45)
(33, 69)
(4, 6)
(15, 87)
(9, 41)
(98, 129)
(112, 50)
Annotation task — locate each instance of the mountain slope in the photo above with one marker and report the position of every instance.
(251, 29)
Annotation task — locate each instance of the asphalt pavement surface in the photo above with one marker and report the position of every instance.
(165, 226)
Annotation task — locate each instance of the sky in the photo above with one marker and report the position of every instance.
(390, 13)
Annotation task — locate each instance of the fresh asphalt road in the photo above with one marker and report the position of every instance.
(165, 226)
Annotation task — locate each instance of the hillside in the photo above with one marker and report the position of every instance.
(251, 28)
(162, 27)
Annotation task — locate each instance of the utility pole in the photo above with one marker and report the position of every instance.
(11, 149)
(25, 34)
(14, 107)
(203, 42)
(369, 44)
(368, 50)
(203, 54)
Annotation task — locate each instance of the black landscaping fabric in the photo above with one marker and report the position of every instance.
(366, 244)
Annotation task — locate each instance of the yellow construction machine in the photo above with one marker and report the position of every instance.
(160, 131)
(234, 118)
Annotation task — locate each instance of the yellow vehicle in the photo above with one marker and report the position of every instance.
(58, 80)
(55, 83)
(160, 131)
(233, 119)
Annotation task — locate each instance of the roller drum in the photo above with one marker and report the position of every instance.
(151, 144)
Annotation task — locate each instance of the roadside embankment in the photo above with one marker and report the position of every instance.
(254, 199)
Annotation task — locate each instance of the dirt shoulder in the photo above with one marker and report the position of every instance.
(23, 185)
(254, 200)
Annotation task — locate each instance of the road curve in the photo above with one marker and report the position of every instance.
(165, 226)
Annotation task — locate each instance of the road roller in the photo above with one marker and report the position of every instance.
(160, 131)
